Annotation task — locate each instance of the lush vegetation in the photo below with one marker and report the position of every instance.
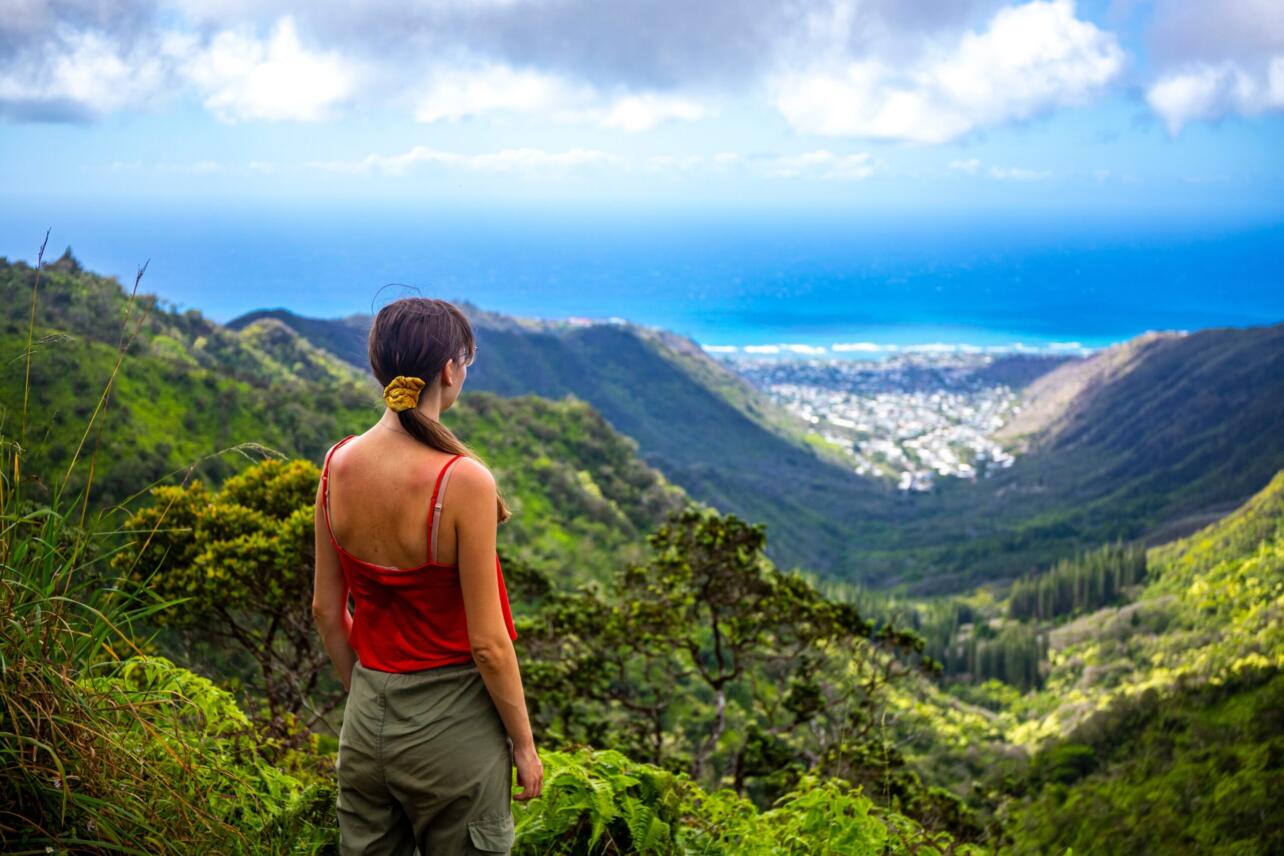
(162, 689)
(1199, 770)
(1083, 583)
(183, 388)
(109, 748)
(1152, 724)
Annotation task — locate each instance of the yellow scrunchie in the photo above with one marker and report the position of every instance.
(402, 393)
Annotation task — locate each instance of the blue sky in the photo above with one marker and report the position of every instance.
(1164, 107)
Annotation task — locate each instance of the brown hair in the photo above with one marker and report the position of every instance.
(416, 337)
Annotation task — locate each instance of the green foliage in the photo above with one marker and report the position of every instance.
(1199, 770)
(1159, 729)
(138, 755)
(1214, 606)
(707, 660)
(242, 559)
(1013, 656)
(186, 388)
(600, 802)
(1085, 582)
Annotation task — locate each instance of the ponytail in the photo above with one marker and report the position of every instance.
(415, 337)
(434, 435)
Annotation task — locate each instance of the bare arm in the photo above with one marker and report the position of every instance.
(330, 601)
(476, 521)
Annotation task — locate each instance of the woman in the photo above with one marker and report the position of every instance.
(435, 717)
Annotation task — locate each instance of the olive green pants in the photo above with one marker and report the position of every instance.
(425, 765)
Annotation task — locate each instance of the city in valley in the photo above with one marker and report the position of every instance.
(912, 417)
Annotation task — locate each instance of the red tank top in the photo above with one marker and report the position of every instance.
(408, 619)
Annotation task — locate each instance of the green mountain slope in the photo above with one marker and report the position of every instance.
(705, 428)
(1159, 728)
(1156, 723)
(1213, 607)
(188, 387)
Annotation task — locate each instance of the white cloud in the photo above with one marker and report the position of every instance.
(866, 68)
(1031, 58)
(822, 164)
(911, 70)
(1016, 173)
(90, 75)
(643, 112)
(1206, 91)
(1213, 58)
(506, 160)
(248, 78)
(453, 94)
(971, 166)
(678, 163)
(861, 347)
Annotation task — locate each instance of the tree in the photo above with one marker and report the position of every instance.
(244, 557)
(706, 658)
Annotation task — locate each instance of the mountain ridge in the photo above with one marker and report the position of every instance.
(706, 428)
(1076, 484)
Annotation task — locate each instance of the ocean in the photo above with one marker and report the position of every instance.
(823, 283)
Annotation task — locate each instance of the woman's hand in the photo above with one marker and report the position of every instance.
(530, 773)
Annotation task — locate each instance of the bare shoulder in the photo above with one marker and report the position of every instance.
(473, 479)
(327, 465)
(332, 454)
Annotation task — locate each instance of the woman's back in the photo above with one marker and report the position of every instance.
(380, 496)
(396, 547)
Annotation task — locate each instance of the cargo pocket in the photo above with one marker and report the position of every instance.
(493, 834)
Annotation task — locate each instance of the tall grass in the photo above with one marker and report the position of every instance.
(103, 746)
(106, 748)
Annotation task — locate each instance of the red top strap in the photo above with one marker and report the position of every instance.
(325, 488)
(434, 508)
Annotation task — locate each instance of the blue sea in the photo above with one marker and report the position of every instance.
(798, 281)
